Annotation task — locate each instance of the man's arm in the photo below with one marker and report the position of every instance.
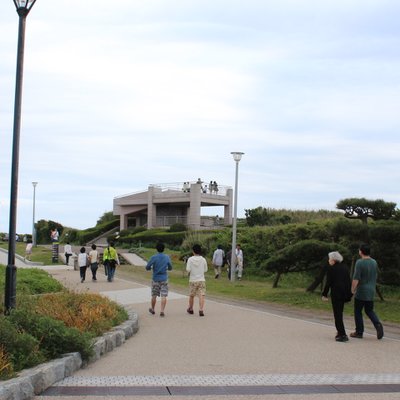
(354, 285)
(149, 264)
(188, 265)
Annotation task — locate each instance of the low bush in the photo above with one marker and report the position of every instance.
(44, 326)
(178, 227)
(20, 348)
(149, 238)
(54, 336)
(97, 314)
(6, 368)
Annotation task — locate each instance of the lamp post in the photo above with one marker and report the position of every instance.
(23, 7)
(237, 156)
(33, 214)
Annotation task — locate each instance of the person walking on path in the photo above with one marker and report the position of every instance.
(197, 267)
(94, 261)
(363, 287)
(67, 253)
(82, 262)
(110, 261)
(28, 250)
(339, 283)
(161, 264)
(218, 260)
(239, 261)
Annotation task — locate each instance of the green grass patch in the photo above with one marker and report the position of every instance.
(39, 253)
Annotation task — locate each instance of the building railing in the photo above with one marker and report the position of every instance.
(209, 222)
(211, 188)
(162, 221)
(184, 187)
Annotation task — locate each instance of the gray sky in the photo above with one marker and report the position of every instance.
(120, 95)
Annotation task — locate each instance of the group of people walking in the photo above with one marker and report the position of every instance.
(92, 260)
(362, 287)
(220, 259)
(339, 284)
(196, 266)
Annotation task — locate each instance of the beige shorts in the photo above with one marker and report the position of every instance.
(197, 289)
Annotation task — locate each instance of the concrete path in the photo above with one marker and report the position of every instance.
(234, 351)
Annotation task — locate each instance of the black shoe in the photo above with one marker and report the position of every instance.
(151, 311)
(217, 276)
(379, 330)
(342, 338)
(190, 310)
(201, 313)
(356, 335)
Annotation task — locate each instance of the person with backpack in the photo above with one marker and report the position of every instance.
(83, 263)
(110, 261)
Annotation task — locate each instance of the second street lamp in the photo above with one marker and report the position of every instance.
(23, 7)
(237, 156)
(33, 214)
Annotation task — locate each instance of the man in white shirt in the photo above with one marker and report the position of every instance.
(67, 253)
(239, 261)
(197, 266)
(218, 260)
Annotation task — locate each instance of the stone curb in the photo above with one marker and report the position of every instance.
(34, 381)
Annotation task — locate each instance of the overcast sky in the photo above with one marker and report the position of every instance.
(121, 94)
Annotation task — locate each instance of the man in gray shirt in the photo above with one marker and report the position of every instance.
(363, 286)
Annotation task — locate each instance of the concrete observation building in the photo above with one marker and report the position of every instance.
(163, 205)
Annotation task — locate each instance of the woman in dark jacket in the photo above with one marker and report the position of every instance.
(339, 283)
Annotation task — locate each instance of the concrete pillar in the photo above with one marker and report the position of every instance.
(195, 206)
(123, 222)
(151, 209)
(228, 208)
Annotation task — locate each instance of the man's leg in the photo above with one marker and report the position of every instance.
(191, 301)
(358, 318)
(163, 303)
(240, 270)
(369, 310)
(338, 306)
(153, 301)
(201, 301)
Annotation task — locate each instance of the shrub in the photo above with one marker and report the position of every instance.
(178, 227)
(6, 368)
(22, 348)
(36, 281)
(45, 326)
(85, 311)
(150, 238)
(54, 336)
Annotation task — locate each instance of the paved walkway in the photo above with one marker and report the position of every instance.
(234, 351)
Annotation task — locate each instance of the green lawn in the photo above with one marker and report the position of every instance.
(39, 253)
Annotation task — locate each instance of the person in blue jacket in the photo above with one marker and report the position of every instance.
(160, 263)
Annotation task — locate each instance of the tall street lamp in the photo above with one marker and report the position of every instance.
(23, 7)
(237, 156)
(33, 214)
